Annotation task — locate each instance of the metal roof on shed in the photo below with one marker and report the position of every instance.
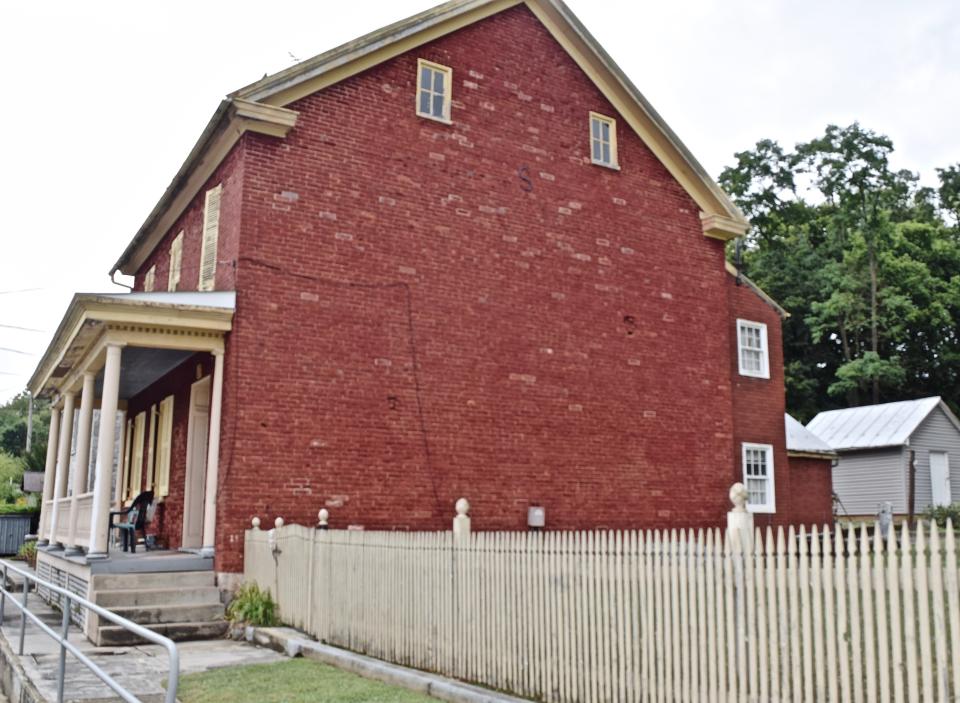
(802, 440)
(872, 426)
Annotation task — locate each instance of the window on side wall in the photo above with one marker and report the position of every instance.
(758, 477)
(208, 245)
(434, 89)
(176, 256)
(603, 140)
(754, 359)
(150, 279)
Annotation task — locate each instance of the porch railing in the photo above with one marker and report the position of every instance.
(63, 519)
(67, 602)
(84, 507)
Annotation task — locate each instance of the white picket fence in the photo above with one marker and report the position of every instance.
(635, 616)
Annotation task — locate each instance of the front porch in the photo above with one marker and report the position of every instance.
(110, 439)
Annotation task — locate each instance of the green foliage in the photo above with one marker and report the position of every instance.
(941, 513)
(866, 261)
(28, 552)
(11, 478)
(252, 606)
(13, 427)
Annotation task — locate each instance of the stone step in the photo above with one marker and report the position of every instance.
(152, 580)
(157, 596)
(160, 614)
(116, 636)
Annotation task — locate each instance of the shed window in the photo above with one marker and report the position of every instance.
(752, 349)
(434, 86)
(758, 477)
(603, 140)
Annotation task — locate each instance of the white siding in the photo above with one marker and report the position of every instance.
(864, 480)
(935, 433)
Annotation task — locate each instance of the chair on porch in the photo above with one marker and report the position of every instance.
(136, 521)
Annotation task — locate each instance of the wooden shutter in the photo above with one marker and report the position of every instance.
(208, 247)
(176, 256)
(152, 419)
(136, 465)
(125, 479)
(164, 439)
(149, 280)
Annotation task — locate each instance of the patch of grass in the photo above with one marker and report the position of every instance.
(291, 681)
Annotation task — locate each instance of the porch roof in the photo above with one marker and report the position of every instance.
(186, 321)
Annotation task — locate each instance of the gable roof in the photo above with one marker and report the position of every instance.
(261, 107)
(800, 440)
(874, 426)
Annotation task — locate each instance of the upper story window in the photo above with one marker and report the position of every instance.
(434, 88)
(208, 245)
(176, 256)
(754, 358)
(603, 140)
(150, 279)
(758, 477)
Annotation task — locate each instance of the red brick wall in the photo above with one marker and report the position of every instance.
(758, 407)
(230, 174)
(414, 326)
(812, 497)
(169, 516)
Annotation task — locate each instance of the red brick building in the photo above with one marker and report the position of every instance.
(421, 266)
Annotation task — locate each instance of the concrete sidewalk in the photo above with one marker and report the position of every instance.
(141, 669)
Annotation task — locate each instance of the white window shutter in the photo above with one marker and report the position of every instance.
(149, 279)
(125, 479)
(136, 466)
(151, 443)
(211, 231)
(176, 256)
(164, 440)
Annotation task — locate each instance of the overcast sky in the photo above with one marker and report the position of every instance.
(103, 101)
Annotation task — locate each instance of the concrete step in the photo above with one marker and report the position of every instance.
(159, 614)
(116, 636)
(157, 596)
(149, 581)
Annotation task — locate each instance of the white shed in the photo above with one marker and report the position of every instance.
(874, 444)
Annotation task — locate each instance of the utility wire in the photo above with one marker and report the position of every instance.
(20, 290)
(18, 327)
(16, 351)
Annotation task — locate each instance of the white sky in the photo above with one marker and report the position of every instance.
(105, 99)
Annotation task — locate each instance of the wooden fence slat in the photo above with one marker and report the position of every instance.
(843, 623)
(939, 615)
(952, 588)
(829, 617)
(923, 615)
(866, 590)
(909, 617)
(816, 586)
(853, 595)
(883, 640)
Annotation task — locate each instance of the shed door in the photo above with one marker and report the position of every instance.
(940, 477)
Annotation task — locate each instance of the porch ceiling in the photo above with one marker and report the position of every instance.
(141, 366)
(157, 330)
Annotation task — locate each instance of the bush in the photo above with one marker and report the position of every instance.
(252, 606)
(941, 513)
(28, 552)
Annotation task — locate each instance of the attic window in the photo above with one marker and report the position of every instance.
(754, 358)
(603, 140)
(434, 87)
(150, 279)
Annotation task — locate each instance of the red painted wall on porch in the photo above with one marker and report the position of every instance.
(413, 326)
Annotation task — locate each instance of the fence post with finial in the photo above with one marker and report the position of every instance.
(461, 523)
(739, 520)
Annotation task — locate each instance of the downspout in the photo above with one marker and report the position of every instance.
(116, 282)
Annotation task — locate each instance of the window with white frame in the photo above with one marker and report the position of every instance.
(758, 477)
(754, 358)
(603, 140)
(434, 90)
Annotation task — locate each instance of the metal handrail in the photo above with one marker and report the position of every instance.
(173, 679)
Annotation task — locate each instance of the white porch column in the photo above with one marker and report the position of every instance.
(213, 460)
(79, 479)
(100, 518)
(49, 470)
(63, 463)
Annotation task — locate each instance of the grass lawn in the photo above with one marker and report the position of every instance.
(291, 681)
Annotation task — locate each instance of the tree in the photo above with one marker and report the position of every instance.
(13, 426)
(862, 258)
